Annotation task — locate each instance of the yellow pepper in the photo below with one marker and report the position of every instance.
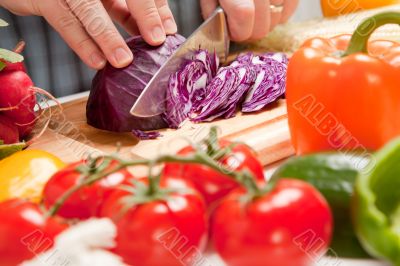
(25, 173)
(332, 8)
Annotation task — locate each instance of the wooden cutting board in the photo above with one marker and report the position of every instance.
(70, 138)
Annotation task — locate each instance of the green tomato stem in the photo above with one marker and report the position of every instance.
(198, 157)
(360, 38)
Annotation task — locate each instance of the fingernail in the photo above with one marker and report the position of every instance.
(158, 34)
(98, 60)
(170, 26)
(122, 57)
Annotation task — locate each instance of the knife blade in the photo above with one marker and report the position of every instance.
(212, 35)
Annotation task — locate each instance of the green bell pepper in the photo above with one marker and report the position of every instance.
(376, 205)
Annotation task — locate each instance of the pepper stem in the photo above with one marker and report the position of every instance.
(360, 38)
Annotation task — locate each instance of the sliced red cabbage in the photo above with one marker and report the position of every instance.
(250, 82)
(226, 91)
(146, 135)
(114, 91)
(270, 83)
(187, 87)
(218, 91)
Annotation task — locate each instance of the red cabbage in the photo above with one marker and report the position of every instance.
(187, 87)
(114, 91)
(260, 81)
(225, 92)
(270, 83)
(200, 90)
(146, 135)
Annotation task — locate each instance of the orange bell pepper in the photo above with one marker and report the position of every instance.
(332, 8)
(345, 99)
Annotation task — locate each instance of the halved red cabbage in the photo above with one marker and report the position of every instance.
(187, 87)
(114, 91)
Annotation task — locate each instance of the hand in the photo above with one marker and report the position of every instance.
(250, 19)
(87, 27)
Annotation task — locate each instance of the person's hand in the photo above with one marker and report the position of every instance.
(250, 19)
(87, 27)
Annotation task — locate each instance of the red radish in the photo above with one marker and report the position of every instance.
(16, 66)
(18, 100)
(8, 131)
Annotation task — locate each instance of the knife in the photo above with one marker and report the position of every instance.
(212, 35)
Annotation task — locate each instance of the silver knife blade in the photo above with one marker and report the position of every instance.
(212, 35)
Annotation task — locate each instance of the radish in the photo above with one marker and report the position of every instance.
(19, 65)
(8, 131)
(18, 100)
(14, 67)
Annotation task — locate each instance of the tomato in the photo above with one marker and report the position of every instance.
(24, 231)
(168, 231)
(214, 185)
(25, 173)
(290, 225)
(87, 201)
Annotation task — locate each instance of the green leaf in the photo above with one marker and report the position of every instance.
(2, 65)
(10, 56)
(3, 23)
(1, 142)
(8, 149)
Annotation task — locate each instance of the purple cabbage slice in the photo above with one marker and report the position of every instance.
(114, 91)
(270, 83)
(218, 91)
(142, 135)
(224, 101)
(187, 87)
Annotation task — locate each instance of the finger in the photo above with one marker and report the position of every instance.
(21, 8)
(241, 15)
(73, 33)
(290, 7)
(262, 19)
(166, 17)
(145, 12)
(276, 17)
(119, 12)
(208, 7)
(100, 27)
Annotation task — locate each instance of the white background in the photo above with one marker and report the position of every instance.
(307, 9)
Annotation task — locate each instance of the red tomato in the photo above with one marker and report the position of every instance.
(291, 225)
(212, 184)
(169, 232)
(86, 202)
(24, 231)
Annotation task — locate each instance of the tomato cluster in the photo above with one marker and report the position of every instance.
(168, 222)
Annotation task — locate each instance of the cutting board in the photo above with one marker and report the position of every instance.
(70, 138)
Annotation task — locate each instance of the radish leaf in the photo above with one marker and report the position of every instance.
(2, 65)
(7, 150)
(3, 23)
(10, 56)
